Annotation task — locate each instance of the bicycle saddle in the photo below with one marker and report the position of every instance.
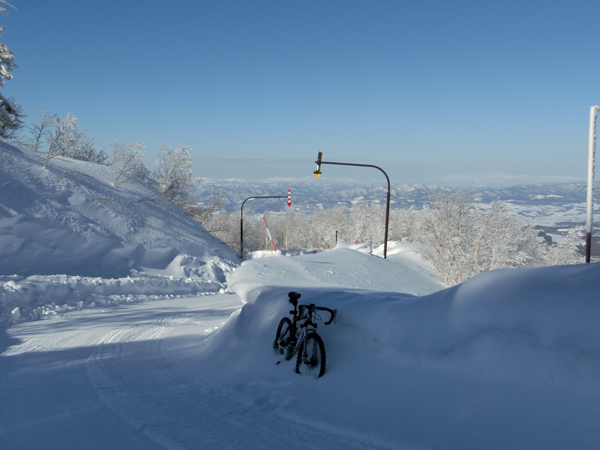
(294, 296)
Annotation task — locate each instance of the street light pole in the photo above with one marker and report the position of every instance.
(242, 220)
(317, 173)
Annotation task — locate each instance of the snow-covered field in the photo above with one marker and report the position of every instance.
(169, 346)
(541, 205)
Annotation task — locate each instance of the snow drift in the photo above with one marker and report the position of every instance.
(508, 359)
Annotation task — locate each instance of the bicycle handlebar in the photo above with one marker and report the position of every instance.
(333, 312)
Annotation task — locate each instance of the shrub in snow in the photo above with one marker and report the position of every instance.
(128, 161)
(39, 131)
(565, 252)
(174, 181)
(200, 213)
(66, 138)
(462, 241)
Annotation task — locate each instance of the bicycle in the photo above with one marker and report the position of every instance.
(304, 339)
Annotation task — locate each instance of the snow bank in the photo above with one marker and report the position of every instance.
(69, 237)
(550, 307)
(508, 359)
(347, 266)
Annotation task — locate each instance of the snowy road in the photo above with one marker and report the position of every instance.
(508, 360)
(126, 378)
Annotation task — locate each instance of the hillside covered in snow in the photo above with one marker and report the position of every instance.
(69, 237)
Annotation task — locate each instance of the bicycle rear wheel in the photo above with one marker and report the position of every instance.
(283, 338)
(311, 361)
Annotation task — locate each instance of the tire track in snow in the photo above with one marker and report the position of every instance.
(142, 383)
(47, 402)
(124, 379)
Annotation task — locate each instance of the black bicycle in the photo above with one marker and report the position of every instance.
(303, 338)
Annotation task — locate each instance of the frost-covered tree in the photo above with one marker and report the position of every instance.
(200, 213)
(66, 138)
(127, 159)
(403, 225)
(39, 131)
(506, 242)
(11, 113)
(226, 227)
(445, 228)
(566, 251)
(173, 177)
(461, 240)
(82, 146)
(368, 224)
(59, 135)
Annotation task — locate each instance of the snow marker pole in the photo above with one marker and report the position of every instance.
(590, 190)
(269, 233)
(242, 220)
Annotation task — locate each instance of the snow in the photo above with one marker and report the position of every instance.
(508, 359)
(157, 337)
(69, 240)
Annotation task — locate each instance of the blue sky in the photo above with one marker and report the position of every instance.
(428, 90)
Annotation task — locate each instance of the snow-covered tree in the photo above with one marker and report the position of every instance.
(445, 228)
(127, 159)
(201, 212)
(461, 240)
(11, 113)
(566, 251)
(225, 226)
(403, 225)
(59, 135)
(39, 131)
(65, 138)
(173, 177)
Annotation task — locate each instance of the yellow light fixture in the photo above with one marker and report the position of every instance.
(318, 171)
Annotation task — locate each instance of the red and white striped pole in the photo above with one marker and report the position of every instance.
(269, 233)
(289, 203)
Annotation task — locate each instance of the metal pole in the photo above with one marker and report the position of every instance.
(590, 189)
(242, 219)
(387, 209)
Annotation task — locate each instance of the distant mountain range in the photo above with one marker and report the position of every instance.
(310, 194)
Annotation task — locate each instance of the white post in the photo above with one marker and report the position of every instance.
(590, 190)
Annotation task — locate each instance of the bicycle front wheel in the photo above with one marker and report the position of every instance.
(311, 356)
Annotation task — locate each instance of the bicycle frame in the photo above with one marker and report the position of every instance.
(291, 337)
(307, 326)
(306, 313)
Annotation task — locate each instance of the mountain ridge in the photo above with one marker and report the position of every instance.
(309, 195)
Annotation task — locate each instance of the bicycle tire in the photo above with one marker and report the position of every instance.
(283, 338)
(315, 361)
